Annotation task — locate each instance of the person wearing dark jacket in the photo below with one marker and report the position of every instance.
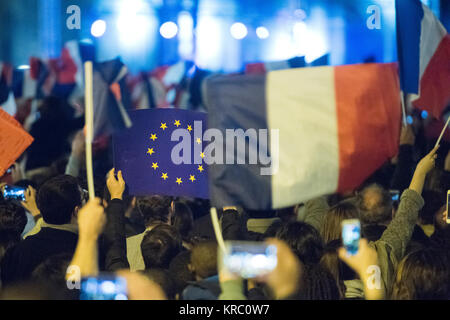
(58, 200)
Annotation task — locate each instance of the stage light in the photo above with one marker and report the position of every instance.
(262, 32)
(23, 67)
(238, 30)
(98, 28)
(135, 23)
(299, 29)
(168, 29)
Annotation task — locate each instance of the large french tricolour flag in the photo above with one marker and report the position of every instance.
(336, 126)
(424, 56)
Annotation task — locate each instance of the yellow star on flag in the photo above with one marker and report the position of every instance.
(199, 140)
(200, 168)
(163, 126)
(164, 176)
(202, 155)
(153, 137)
(154, 165)
(150, 151)
(189, 128)
(179, 181)
(192, 178)
(177, 123)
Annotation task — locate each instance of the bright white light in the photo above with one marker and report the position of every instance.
(299, 29)
(98, 28)
(185, 35)
(134, 23)
(23, 67)
(262, 32)
(168, 29)
(238, 30)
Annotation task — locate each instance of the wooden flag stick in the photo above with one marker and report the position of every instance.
(89, 123)
(217, 231)
(442, 133)
(402, 98)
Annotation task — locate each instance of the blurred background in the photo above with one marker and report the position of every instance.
(218, 35)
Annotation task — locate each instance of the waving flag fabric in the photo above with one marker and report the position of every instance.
(263, 67)
(144, 153)
(112, 100)
(424, 56)
(336, 126)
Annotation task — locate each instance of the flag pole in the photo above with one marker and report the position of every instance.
(89, 124)
(442, 133)
(217, 231)
(402, 98)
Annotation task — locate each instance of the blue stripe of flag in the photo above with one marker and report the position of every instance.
(409, 15)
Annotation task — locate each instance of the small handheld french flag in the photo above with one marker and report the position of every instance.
(424, 56)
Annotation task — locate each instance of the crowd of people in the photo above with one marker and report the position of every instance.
(165, 247)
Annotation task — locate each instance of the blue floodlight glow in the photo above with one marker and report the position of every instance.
(98, 28)
(262, 32)
(168, 30)
(238, 30)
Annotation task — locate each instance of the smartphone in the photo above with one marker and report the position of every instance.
(351, 233)
(395, 195)
(104, 287)
(249, 259)
(448, 201)
(14, 193)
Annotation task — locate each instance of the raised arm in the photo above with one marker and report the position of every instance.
(399, 231)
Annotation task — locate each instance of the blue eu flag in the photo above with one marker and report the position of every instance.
(162, 153)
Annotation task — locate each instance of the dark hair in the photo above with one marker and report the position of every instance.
(57, 199)
(12, 218)
(182, 218)
(53, 269)
(375, 205)
(204, 259)
(163, 279)
(160, 245)
(433, 202)
(8, 239)
(339, 270)
(423, 275)
(154, 208)
(179, 270)
(318, 284)
(331, 228)
(303, 239)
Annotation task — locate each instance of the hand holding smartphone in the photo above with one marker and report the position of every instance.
(104, 287)
(14, 193)
(249, 259)
(351, 234)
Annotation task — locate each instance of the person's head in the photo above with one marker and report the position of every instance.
(182, 218)
(423, 275)
(331, 228)
(160, 245)
(339, 270)
(154, 209)
(180, 272)
(59, 199)
(375, 205)
(318, 284)
(12, 217)
(162, 278)
(53, 269)
(8, 239)
(204, 259)
(433, 202)
(303, 239)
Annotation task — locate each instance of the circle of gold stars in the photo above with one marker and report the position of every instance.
(155, 166)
